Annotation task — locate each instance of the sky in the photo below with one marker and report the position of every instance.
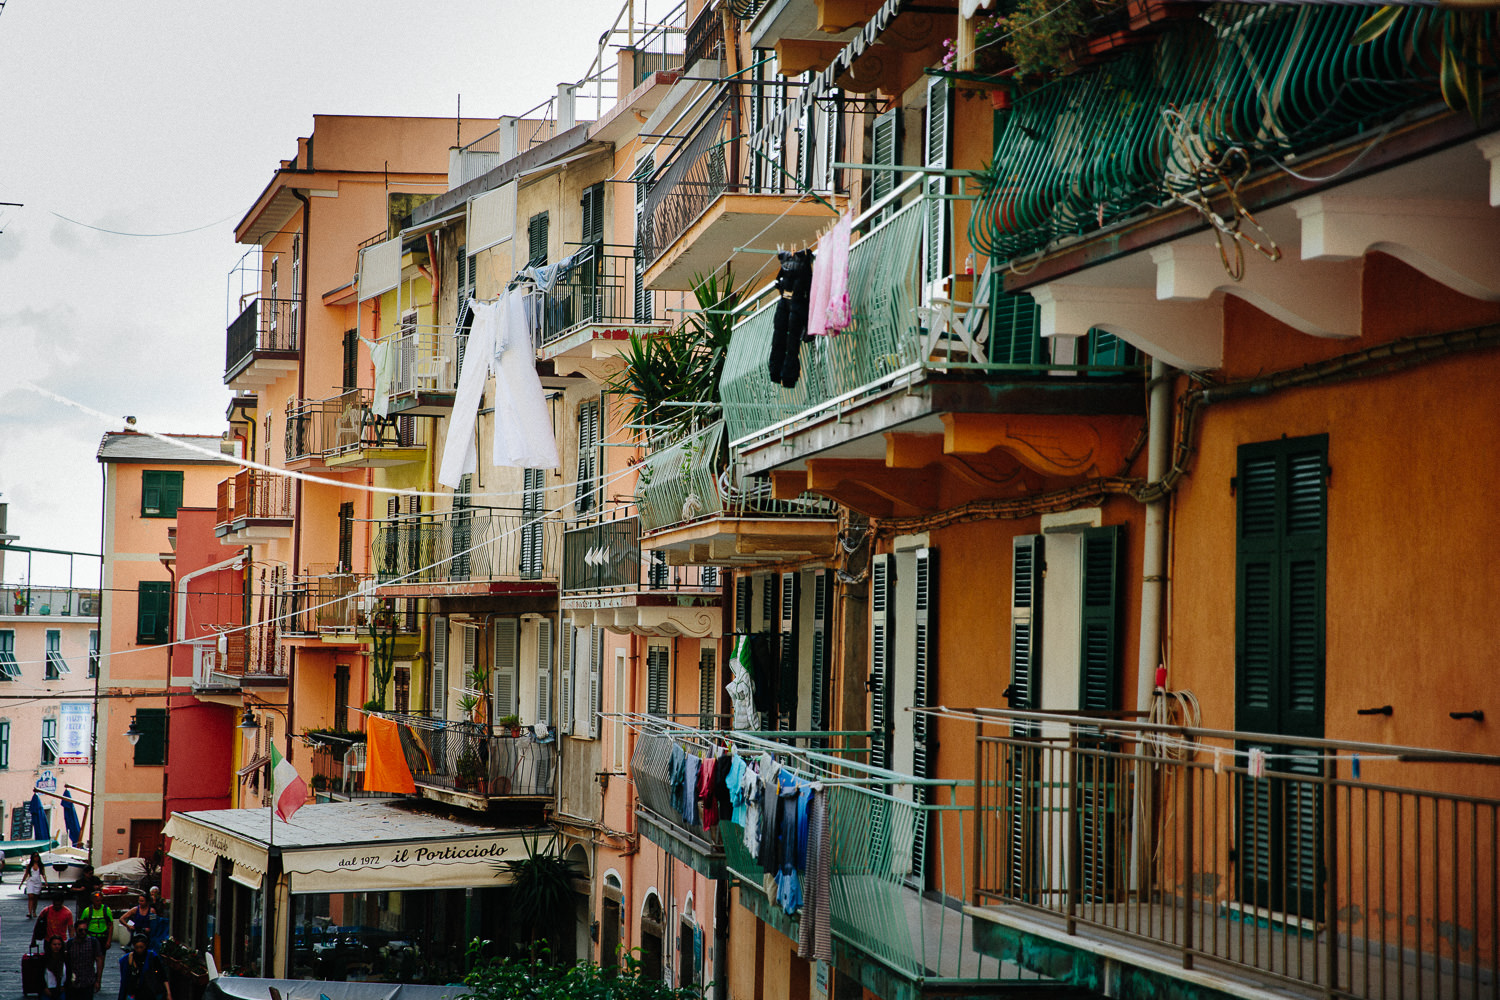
(168, 116)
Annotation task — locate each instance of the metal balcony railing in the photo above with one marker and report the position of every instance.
(328, 602)
(696, 478)
(254, 495)
(705, 37)
(1322, 868)
(427, 360)
(345, 424)
(596, 289)
(478, 543)
(697, 171)
(607, 557)
(22, 599)
(468, 757)
(264, 325)
(339, 769)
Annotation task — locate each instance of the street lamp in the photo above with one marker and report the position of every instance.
(248, 723)
(134, 733)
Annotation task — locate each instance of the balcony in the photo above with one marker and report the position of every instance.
(425, 372)
(898, 865)
(254, 507)
(21, 600)
(1165, 855)
(698, 506)
(344, 432)
(262, 344)
(457, 762)
(341, 608)
(937, 388)
(478, 550)
(705, 40)
(698, 212)
(591, 311)
(606, 582)
(251, 657)
(338, 768)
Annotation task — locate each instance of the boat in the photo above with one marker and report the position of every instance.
(16, 852)
(65, 864)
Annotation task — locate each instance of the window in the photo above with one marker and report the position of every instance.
(544, 671)
(708, 690)
(658, 695)
(56, 665)
(152, 747)
(596, 669)
(536, 237)
(438, 690)
(4, 744)
(351, 359)
(153, 610)
(588, 457)
(346, 536)
(93, 652)
(341, 697)
(49, 741)
(505, 665)
(642, 177)
(161, 493)
(592, 238)
(403, 689)
(9, 668)
(533, 522)
(657, 574)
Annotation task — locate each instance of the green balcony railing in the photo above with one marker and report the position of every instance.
(1239, 86)
(697, 478)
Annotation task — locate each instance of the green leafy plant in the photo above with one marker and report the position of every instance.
(504, 978)
(1464, 40)
(541, 889)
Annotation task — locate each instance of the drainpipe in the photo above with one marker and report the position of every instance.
(305, 265)
(1149, 654)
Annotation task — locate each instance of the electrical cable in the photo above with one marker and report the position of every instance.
(116, 232)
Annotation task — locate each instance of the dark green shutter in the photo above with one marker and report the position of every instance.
(768, 603)
(346, 536)
(536, 238)
(1099, 659)
(885, 150)
(533, 524)
(936, 185)
(924, 628)
(351, 359)
(743, 586)
(822, 612)
(1021, 763)
(153, 611)
(587, 496)
(161, 493)
(151, 749)
(788, 629)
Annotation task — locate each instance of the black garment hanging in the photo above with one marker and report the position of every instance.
(789, 325)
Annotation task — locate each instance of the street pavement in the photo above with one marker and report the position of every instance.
(15, 939)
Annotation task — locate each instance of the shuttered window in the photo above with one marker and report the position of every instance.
(1281, 552)
(438, 691)
(939, 113)
(885, 150)
(4, 744)
(822, 612)
(9, 668)
(153, 610)
(743, 588)
(1027, 553)
(924, 629)
(544, 671)
(161, 493)
(57, 665)
(346, 536)
(351, 359)
(788, 627)
(1099, 659)
(151, 748)
(708, 689)
(536, 239)
(596, 669)
(589, 301)
(643, 171)
(882, 648)
(505, 665)
(658, 680)
(462, 527)
(533, 522)
(49, 741)
(568, 666)
(588, 457)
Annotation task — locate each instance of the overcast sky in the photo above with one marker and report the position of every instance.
(167, 116)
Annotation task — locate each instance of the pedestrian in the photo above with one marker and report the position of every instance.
(85, 957)
(58, 920)
(54, 969)
(95, 921)
(141, 974)
(137, 919)
(33, 881)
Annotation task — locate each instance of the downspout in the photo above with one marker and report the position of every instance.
(302, 317)
(104, 645)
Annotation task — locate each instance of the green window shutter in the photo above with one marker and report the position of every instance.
(642, 177)
(1015, 322)
(885, 150)
(924, 628)
(882, 648)
(936, 185)
(822, 609)
(536, 238)
(587, 497)
(153, 610)
(1099, 660)
(708, 690)
(1027, 562)
(787, 627)
(5, 745)
(161, 493)
(151, 750)
(768, 602)
(743, 587)
(505, 664)
(658, 681)
(592, 204)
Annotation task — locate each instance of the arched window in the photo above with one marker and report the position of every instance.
(651, 938)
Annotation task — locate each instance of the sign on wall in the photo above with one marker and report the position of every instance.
(75, 732)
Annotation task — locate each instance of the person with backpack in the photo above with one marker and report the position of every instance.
(142, 976)
(96, 921)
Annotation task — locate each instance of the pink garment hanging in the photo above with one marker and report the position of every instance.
(833, 257)
(817, 295)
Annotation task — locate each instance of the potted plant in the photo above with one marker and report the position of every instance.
(510, 722)
(469, 772)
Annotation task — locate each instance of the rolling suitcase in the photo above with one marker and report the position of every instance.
(31, 972)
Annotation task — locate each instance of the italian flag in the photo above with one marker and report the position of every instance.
(288, 790)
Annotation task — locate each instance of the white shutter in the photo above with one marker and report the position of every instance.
(936, 184)
(565, 677)
(471, 655)
(503, 667)
(437, 695)
(882, 594)
(596, 665)
(544, 671)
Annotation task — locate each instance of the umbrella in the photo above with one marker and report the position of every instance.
(40, 828)
(70, 818)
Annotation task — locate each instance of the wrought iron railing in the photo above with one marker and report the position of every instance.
(696, 478)
(596, 289)
(426, 359)
(335, 602)
(469, 757)
(344, 424)
(22, 599)
(705, 37)
(254, 495)
(263, 325)
(607, 557)
(477, 543)
(1312, 866)
(1261, 82)
(338, 767)
(697, 172)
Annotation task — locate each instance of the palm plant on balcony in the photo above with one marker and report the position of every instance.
(664, 373)
(541, 893)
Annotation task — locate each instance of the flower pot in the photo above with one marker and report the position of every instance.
(1000, 99)
(1146, 13)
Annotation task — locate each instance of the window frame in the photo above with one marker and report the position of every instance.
(49, 741)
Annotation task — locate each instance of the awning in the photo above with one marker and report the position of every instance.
(201, 846)
(379, 268)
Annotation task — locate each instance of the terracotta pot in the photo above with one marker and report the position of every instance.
(1000, 99)
(1145, 13)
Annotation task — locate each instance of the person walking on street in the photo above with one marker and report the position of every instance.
(33, 881)
(85, 959)
(142, 976)
(94, 921)
(137, 919)
(54, 969)
(58, 920)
